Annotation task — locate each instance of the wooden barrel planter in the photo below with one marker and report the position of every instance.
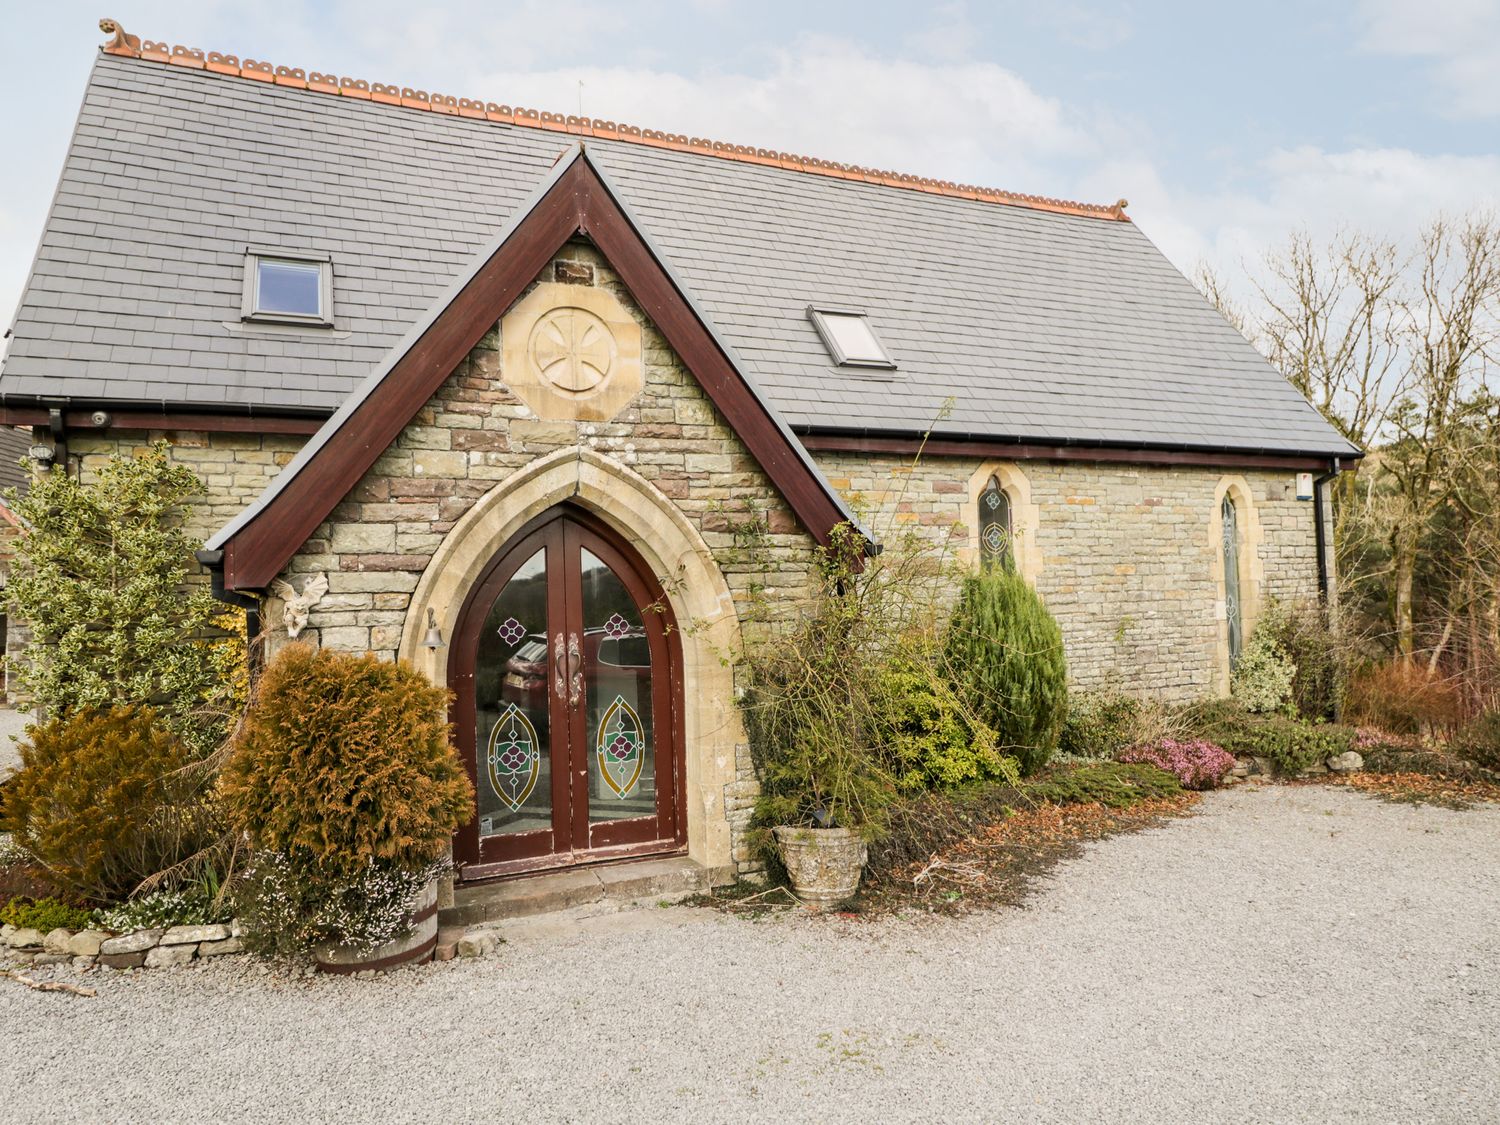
(413, 946)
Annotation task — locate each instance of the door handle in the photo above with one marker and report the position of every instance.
(575, 670)
(559, 677)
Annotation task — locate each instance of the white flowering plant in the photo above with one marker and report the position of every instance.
(286, 906)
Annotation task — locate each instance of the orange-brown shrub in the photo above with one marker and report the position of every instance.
(105, 799)
(1404, 698)
(345, 759)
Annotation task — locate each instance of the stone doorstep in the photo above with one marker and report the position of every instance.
(610, 885)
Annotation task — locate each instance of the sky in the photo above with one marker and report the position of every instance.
(1227, 127)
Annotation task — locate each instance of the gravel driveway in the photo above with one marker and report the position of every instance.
(1290, 954)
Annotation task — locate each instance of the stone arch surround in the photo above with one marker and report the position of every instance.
(672, 548)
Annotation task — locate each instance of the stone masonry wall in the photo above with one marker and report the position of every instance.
(235, 467)
(1127, 559)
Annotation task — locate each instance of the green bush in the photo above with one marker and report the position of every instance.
(843, 703)
(102, 576)
(107, 799)
(1005, 652)
(1115, 784)
(1478, 742)
(1290, 745)
(344, 782)
(933, 739)
(44, 914)
(1318, 655)
(344, 759)
(1100, 724)
(194, 905)
(1263, 674)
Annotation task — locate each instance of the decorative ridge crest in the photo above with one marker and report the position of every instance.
(131, 46)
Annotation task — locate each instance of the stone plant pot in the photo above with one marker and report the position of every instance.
(415, 945)
(825, 863)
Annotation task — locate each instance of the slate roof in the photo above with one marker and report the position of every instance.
(1039, 326)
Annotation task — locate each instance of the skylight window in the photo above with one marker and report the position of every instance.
(849, 338)
(288, 288)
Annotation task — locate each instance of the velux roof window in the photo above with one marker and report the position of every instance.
(288, 288)
(849, 338)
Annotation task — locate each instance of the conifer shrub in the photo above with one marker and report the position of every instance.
(1004, 651)
(106, 799)
(934, 738)
(345, 759)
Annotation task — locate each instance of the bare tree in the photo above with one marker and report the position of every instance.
(1449, 329)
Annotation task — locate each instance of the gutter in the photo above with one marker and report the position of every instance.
(1320, 530)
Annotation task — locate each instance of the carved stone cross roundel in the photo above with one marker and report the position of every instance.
(572, 349)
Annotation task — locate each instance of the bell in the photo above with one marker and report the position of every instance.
(434, 638)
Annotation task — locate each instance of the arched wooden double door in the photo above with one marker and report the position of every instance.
(566, 672)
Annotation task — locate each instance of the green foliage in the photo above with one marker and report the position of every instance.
(101, 575)
(847, 705)
(44, 914)
(933, 739)
(1318, 656)
(1100, 724)
(343, 760)
(1263, 674)
(1290, 745)
(1005, 652)
(106, 799)
(197, 904)
(287, 907)
(1114, 784)
(1479, 742)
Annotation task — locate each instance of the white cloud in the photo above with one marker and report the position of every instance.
(830, 99)
(1460, 37)
(1391, 193)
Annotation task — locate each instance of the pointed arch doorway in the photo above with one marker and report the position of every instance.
(566, 670)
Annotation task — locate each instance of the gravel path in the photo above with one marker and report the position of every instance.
(1289, 954)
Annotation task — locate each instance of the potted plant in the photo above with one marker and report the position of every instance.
(809, 705)
(344, 784)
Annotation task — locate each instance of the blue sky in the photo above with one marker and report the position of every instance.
(1226, 126)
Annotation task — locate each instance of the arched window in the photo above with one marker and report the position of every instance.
(996, 540)
(1233, 612)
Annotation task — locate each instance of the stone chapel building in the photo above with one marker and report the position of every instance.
(498, 384)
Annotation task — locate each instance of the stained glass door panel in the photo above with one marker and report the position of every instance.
(619, 719)
(566, 694)
(512, 705)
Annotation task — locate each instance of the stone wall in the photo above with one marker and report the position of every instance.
(235, 467)
(1125, 556)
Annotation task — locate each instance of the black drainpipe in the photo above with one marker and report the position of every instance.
(213, 562)
(1320, 532)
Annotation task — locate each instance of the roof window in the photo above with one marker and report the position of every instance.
(288, 288)
(849, 338)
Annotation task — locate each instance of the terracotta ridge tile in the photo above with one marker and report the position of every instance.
(213, 62)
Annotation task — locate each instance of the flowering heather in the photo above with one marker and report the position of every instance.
(1372, 738)
(1197, 764)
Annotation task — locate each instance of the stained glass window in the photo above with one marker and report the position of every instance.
(1229, 523)
(996, 547)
